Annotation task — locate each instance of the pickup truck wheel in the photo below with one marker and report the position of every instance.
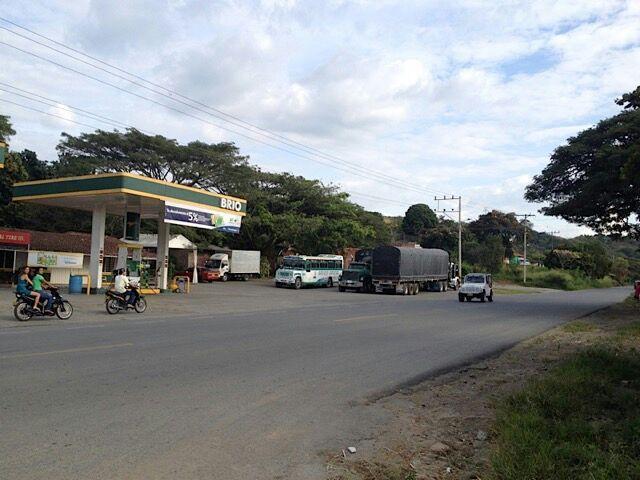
(490, 297)
(298, 283)
(482, 297)
(460, 298)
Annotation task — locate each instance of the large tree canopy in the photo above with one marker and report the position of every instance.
(418, 219)
(594, 179)
(218, 167)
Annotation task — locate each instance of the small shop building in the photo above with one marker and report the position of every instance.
(62, 254)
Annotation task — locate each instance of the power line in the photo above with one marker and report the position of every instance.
(243, 124)
(54, 103)
(48, 113)
(346, 168)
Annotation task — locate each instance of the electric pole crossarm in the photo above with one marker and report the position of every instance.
(459, 212)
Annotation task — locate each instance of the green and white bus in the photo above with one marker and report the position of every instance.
(303, 271)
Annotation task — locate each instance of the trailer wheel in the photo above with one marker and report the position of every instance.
(416, 288)
(405, 289)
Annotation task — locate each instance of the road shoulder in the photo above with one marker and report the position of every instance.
(445, 427)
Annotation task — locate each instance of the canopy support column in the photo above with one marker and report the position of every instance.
(97, 245)
(162, 255)
(195, 267)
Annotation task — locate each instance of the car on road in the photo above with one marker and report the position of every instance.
(476, 285)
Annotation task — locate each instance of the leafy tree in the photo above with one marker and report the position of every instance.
(418, 218)
(500, 224)
(444, 236)
(6, 129)
(594, 179)
(620, 269)
(217, 167)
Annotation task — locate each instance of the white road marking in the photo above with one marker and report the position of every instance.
(366, 317)
(70, 350)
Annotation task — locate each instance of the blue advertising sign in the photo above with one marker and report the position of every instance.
(193, 217)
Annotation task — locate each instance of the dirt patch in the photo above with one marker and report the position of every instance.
(442, 428)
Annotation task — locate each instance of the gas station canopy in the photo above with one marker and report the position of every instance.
(121, 192)
(134, 197)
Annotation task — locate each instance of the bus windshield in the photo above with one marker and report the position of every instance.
(293, 263)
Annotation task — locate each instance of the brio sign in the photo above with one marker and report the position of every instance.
(229, 204)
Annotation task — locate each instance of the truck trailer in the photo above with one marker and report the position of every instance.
(406, 271)
(234, 264)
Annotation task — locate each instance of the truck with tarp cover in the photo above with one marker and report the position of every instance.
(357, 276)
(406, 270)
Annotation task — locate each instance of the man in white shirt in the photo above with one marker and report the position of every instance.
(121, 282)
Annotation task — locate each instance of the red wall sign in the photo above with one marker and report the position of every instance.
(12, 237)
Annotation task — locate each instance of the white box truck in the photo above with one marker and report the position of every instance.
(234, 264)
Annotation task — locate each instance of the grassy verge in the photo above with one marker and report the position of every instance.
(542, 277)
(513, 291)
(581, 420)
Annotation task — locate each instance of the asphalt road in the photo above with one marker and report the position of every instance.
(245, 395)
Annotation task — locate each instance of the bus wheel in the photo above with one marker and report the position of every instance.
(330, 282)
(298, 283)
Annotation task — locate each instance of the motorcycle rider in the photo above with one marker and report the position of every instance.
(122, 286)
(23, 286)
(38, 282)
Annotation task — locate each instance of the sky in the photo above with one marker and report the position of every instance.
(458, 98)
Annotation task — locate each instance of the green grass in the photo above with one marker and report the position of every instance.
(542, 277)
(579, 326)
(579, 421)
(631, 331)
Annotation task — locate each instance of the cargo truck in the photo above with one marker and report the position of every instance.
(358, 275)
(406, 271)
(234, 264)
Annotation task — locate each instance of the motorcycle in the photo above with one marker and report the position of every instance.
(23, 307)
(115, 302)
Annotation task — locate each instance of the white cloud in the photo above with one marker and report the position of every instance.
(463, 98)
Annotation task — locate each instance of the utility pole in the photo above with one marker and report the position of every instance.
(524, 222)
(459, 212)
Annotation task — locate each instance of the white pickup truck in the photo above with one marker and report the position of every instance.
(476, 285)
